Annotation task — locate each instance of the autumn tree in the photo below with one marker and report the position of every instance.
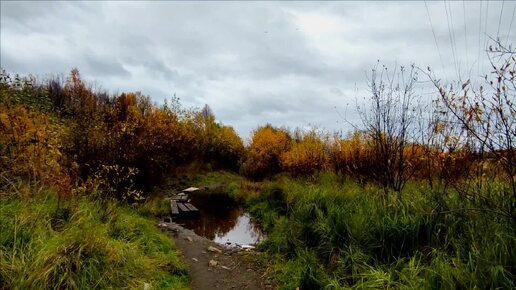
(352, 156)
(29, 138)
(388, 120)
(488, 117)
(307, 155)
(219, 145)
(263, 156)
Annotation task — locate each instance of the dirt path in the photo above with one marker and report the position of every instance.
(219, 268)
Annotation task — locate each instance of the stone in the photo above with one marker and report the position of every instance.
(189, 239)
(213, 263)
(195, 260)
(214, 250)
(226, 268)
(147, 286)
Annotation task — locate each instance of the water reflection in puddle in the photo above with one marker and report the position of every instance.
(223, 221)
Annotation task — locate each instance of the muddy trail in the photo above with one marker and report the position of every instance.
(214, 266)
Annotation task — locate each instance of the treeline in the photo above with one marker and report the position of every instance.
(305, 153)
(70, 136)
(66, 135)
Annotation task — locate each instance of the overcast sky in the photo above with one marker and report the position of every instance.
(291, 64)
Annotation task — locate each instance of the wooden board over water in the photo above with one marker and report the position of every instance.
(191, 207)
(182, 207)
(180, 197)
(173, 207)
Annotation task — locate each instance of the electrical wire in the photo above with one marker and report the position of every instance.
(500, 22)
(454, 42)
(485, 32)
(465, 32)
(479, 36)
(450, 35)
(510, 26)
(435, 37)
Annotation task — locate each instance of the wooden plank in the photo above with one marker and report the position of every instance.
(173, 207)
(182, 207)
(191, 207)
(180, 197)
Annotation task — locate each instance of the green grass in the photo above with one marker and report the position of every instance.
(157, 205)
(83, 245)
(333, 233)
(214, 183)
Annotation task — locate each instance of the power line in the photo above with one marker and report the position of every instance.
(451, 38)
(465, 32)
(435, 38)
(500, 22)
(454, 41)
(510, 26)
(479, 35)
(485, 32)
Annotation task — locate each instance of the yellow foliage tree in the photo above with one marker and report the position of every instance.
(30, 148)
(352, 156)
(306, 157)
(267, 145)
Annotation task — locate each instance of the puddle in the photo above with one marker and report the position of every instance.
(222, 220)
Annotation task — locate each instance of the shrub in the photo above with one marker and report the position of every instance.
(29, 142)
(352, 156)
(305, 157)
(263, 157)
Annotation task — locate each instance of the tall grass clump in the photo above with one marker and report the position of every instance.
(337, 234)
(79, 244)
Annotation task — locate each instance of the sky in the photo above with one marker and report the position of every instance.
(291, 64)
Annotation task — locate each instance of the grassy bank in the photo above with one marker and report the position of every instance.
(80, 244)
(335, 234)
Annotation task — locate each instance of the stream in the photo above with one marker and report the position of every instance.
(222, 220)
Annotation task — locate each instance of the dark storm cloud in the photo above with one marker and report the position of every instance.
(290, 64)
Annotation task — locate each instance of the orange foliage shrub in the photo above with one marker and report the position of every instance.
(417, 158)
(267, 145)
(228, 147)
(445, 166)
(219, 145)
(306, 157)
(352, 156)
(30, 146)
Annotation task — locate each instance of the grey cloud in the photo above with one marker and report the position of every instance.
(251, 62)
(105, 67)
